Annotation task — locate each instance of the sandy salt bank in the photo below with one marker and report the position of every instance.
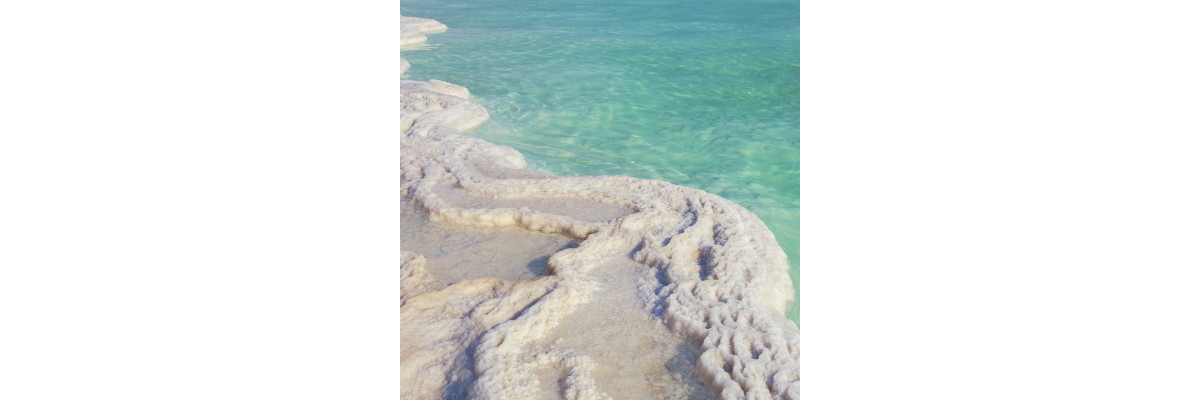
(522, 285)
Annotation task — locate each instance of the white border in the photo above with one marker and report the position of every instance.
(999, 199)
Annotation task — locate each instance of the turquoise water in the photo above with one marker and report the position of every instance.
(703, 94)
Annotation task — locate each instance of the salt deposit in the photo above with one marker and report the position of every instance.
(411, 36)
(412, 30)
(425, 25)
(522, 285)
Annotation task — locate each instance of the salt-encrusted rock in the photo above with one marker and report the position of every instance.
(662, 291)
(424, 25)
(412, 29)
(409, 35)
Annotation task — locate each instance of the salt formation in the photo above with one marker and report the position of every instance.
(522, 285)
(412, 29)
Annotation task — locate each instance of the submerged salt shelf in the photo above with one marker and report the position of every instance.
(520, 285)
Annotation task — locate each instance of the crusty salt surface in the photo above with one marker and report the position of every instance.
(413, 30)
(521, 285)
(453, 255)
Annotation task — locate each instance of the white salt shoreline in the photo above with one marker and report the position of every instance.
(621, 287)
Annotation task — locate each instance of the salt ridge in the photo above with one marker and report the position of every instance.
(682, 269)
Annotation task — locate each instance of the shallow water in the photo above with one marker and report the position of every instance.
(702, 94)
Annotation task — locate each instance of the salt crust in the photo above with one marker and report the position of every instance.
(454, 255)
(412, 30)
(425, 25)
(684, 287)
(410, 35)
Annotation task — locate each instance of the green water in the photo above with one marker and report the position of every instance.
(703, 94)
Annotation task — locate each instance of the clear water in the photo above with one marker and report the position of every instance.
(698, 93)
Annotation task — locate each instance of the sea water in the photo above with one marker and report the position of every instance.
(698, 93)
